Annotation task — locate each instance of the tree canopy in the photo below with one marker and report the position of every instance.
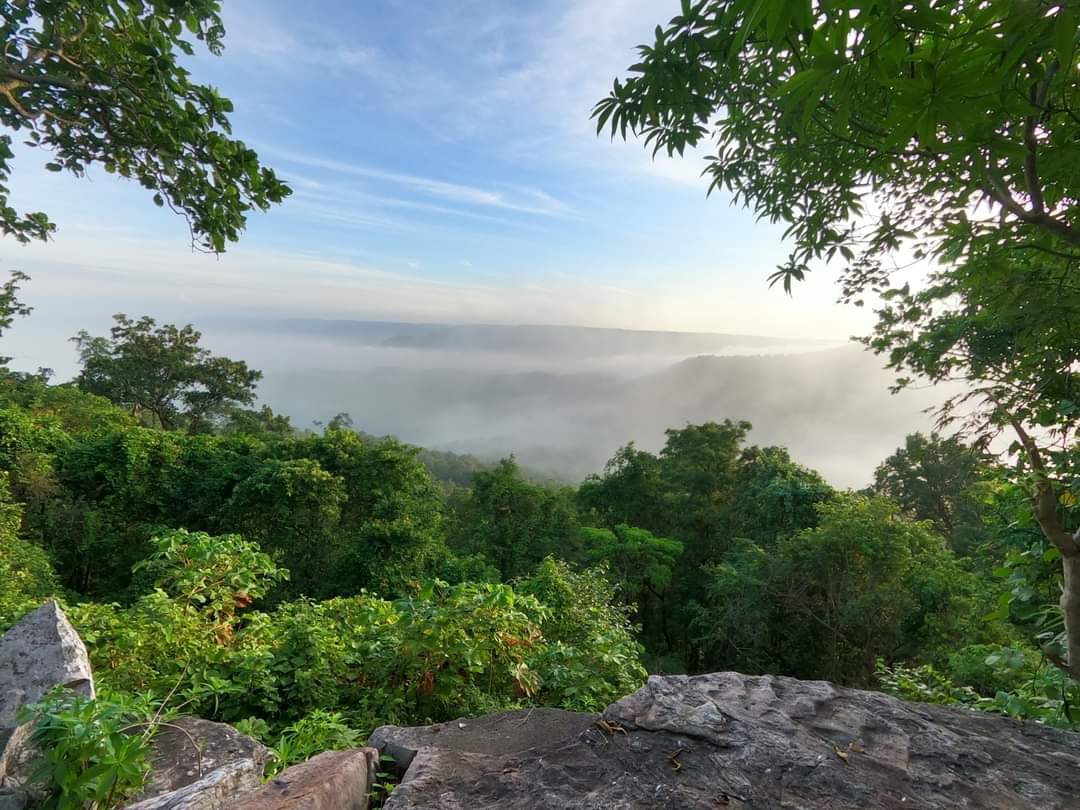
(161, 373)
(883, 134)
(101, 82)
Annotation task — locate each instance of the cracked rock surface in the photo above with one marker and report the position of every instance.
(727, 740)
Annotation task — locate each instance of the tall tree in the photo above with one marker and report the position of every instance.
(514, 523)
(162, 374)
(934, 478)
(945, 131)
(101, 82)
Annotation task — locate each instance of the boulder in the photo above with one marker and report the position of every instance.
(333, 780)
(40, 652)
(730, 740)
(218, 790)
(502, 733)
(200, 765)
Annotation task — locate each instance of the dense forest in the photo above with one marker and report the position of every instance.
(311, 585)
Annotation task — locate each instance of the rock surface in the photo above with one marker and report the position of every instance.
(40, 652)
(503, 733)
(730, 740)
(333, 780)
(201, 764)
(218, 790)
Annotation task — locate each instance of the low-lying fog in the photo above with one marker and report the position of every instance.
(563, 399)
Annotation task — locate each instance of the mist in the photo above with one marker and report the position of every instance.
(563, 399)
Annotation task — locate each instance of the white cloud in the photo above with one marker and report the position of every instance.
(522, 200)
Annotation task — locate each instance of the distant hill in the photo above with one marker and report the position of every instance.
(570, 340)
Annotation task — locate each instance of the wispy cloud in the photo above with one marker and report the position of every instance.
(522, 200)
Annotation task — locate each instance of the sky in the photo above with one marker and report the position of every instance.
(444, 170)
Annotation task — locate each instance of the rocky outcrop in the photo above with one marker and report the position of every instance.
(731, 740)
(195, 764)
(200, 765)
(39, 653)
(334, 780)
(502, 733)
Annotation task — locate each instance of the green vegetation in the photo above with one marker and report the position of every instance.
(309, 587)
(877, 133)
(102, 83)
(312, 586)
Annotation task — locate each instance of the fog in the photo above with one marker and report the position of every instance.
(564, 399)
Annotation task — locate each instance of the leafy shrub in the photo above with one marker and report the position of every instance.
(93, 753)
(443, 651)
(591, 656)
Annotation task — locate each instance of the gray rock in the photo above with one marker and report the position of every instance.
(200, 765)
(218, 790)
(334, 780)
(503, 733)
(40, 652)
(731, 740)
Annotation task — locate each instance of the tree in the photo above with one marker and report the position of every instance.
(391, 518)
(514, 523)
(642, 566)
(629, 491)
(101, 82)
(161, 374)
(775, 496)
(943, 131)
(293, 510)
(934, 478)
(827, 602)
(699, 466)
(10, 306)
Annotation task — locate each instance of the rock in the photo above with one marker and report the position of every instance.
(731, 740)
(200, 765)
(218, 790)
(40, 652)
(334, 780)
(503, 733)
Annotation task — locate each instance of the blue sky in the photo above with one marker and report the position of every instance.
(445, 169)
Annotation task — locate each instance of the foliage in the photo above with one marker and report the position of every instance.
(93, 752)
(514, 523)
(162, 375)
(875, 132)
(591, 657)
(828, 601)
(937, 479)
(102, 82)
(314, 733)
(10, 306)
(26, 573)
(1043, 694)
(443, 651)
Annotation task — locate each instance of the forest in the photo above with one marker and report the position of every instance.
(309, 585)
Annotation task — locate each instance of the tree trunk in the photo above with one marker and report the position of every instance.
(1045, 503)
(1070, 607)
